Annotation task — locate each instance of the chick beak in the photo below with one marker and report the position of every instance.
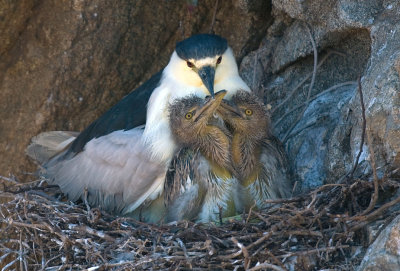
(207, 75)
(210, 106)
(230, 108)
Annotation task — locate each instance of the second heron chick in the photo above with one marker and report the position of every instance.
(259, 159)
(199, 184)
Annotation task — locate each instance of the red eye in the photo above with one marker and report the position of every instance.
(219, 60)
(189, 64)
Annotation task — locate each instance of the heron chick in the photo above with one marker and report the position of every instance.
(199, 184)
(259, 159)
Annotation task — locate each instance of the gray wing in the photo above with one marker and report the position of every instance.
(117, 171)
(275, 178)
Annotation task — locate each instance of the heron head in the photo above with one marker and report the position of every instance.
(202, 61)
(246, 114)
(190, 115)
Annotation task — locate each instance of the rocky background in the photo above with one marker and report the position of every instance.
(64, 63)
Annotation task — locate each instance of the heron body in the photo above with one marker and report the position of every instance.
(118, 161)
(258, 157)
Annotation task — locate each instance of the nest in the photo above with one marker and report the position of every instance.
(323, 229)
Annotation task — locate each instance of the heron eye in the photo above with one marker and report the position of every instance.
(219, 60)
(189, 64)
(248, 112)
(189, 115)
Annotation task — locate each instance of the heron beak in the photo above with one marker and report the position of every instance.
(210, 106)
(207, 74)
(231, 108)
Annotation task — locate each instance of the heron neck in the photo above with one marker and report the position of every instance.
(245, 157)
(215, 146)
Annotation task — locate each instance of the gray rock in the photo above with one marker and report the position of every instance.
(381, 84)
(332, 15)
(366, 33)
(310, 138)
(384, 253)
(320, 143)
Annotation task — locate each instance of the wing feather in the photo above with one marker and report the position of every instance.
(116, 169)
(185, 186)
(275, 178)
(47, 144)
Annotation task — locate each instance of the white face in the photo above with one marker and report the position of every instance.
(185, 71)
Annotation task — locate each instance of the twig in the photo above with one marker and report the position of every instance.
(85, 195)
(312, 251)
(364, 125)
(11, 180)
(375, 195)
(182, 245)
(323, 187)
(266, 265)
(43, 226)
(300, 84)
(373, 164)
(91, 231)
(211, 31)
(304, 233)
(259, 92)
(244, 251)
(254, 72)
(249, 215)
(348, 83)
(20, 252)
(296, 199)
(7, 266)
(360, 219)
(310, 87)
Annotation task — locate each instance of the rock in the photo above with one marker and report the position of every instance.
(381, 85)
(319, 144)
(311, 134)
(331, 15)
(372, 231)
(64, 63)
(384, 253)
(359, 39)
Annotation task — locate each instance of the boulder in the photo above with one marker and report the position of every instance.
(322, 135)
(384, 253)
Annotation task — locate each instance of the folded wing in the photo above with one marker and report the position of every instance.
(116, 170)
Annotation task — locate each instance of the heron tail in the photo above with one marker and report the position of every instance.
(45, 145)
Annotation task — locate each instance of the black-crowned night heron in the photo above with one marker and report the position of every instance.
(258, 157)
(121, 163)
